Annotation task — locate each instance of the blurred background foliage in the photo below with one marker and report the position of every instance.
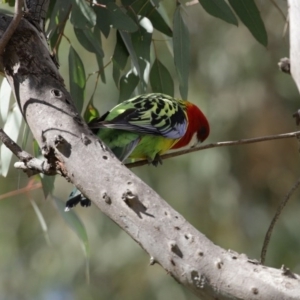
(229, 194)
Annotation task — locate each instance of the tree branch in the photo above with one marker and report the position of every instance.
(36, 12)
(274, 220)
(187, 255)
(29, 164)
(12, 26)
(219, 144)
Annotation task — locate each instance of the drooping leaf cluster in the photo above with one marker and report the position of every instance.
(132, 23)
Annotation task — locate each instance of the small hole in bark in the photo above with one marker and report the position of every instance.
(57, 93)
(172, 262)
(186, 236)
(177, 228)
(129, 182)
(166, 213)
(176, 217)
(104, 157)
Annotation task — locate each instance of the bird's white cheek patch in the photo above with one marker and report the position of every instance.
(194, 141)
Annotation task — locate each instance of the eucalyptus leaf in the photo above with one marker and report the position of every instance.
(74, 223)
(104, 19)
(141, 41)
(250, 16)
(83, 15)
(58, 15)
(47, 184)
(128, 83)
(99, 57)
(77, 78)
(160, 79)
(119, 58)
(25, 136)
(91, 112)
(146, 9)
(57, 23)
(12, 128)
(126, 37)
(119, 19)
(219, 9)
(5, 94)
(181, 46)
(42, 220)
(88, 40)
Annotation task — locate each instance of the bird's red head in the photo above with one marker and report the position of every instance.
(198, 127)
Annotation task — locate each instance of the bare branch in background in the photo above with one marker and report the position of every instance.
(274, 220)
(220, 144)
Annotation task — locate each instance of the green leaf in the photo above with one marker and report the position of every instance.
(155, 2)
(88, 40)
(99, 57)
(119, 58)
(77, 78)
(41, 220)
(219, 9)
(119, 19)
(74, 223)
(50, 9)
(57, 22)
(128, 43)
(148, 10)
(250, 16)
(103, 17)
(141, 41)
(25, 136)
(5, 94)
(160, 79)
(181, 46)
(83, 16)
(47, 184)
(128, 83)
(12, 129)
(91, 111)
(9, 2)
(36, 148)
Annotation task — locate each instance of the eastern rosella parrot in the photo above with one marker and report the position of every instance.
(147, 126)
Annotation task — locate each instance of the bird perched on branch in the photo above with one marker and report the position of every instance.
(149, 125)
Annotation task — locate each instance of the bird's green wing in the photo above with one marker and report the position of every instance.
(155, 114)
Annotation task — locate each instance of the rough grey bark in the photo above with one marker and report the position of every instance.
(187, 255)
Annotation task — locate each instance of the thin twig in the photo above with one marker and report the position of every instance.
(28, 164)
(26, 189)
(274, 220)
(220, 144)
(12, 26)
(14, 147)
